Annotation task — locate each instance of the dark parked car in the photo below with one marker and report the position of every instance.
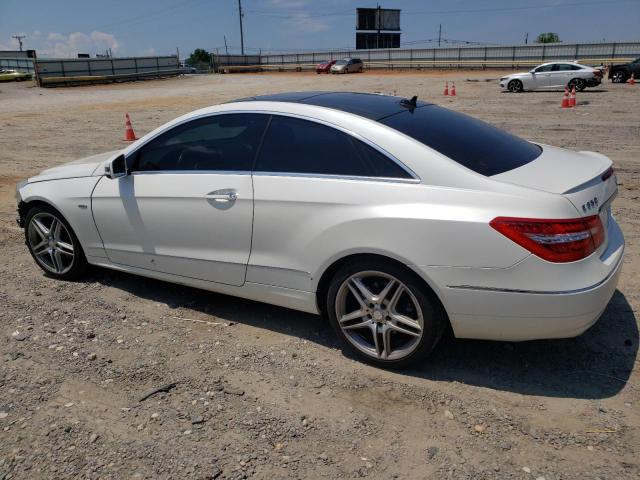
(325, 66)
(622, 73)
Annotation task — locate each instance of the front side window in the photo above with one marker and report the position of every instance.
(544, 68)
(293, 145)
(221, 142)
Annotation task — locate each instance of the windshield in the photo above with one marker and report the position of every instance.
(341, 62)
(472, 143)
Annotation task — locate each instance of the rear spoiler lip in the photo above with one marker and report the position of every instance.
(600, 177)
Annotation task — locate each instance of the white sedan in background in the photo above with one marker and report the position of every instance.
(394, 218)
(553, 76)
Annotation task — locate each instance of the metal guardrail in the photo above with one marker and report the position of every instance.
(53, 72)
(20, 64)
(89, 79)
(512, 56)
(415, 64)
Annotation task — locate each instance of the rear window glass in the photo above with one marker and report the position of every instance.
(472, 143)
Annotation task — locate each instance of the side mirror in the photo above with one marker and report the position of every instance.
(116, 168)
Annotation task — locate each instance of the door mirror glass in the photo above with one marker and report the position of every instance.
(116, 168)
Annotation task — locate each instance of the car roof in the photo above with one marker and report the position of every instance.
(373, 106)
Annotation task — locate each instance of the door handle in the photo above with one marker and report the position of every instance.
(222, 196)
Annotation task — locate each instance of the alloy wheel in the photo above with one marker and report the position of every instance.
(515, 86)
(51, 243)
(618, 77)
(577, 83)
(379, 315)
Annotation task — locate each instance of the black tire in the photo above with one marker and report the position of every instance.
(432, 313)
(619, 76)
(515, 86)
(578, 83)
(78, 265)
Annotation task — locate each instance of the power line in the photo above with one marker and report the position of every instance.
(451, 11)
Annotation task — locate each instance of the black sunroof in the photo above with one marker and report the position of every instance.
(369, 105)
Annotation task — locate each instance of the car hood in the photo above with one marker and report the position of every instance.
(517, 75)
(84, 167)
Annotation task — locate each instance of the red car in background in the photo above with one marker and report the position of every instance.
(325, 67)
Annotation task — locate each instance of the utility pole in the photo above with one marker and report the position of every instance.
(240, 14)
(526, 38)
(378, 25)
(439, 34)
(226, 50)
(19, 38)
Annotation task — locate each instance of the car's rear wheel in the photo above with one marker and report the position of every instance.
(52, 243)
(384, 313)
(619, 77)
(578, 83)
(515, 86)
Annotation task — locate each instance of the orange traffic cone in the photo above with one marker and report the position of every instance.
(565, 99)
(572, 97)
(129, 134)
(453, 89)
(632, 80)
(446, 88)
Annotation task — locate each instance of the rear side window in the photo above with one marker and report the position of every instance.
(220, 142)
(293, 145)
(472, 143)
(565, 67)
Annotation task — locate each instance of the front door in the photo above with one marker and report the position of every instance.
(542, 77)
(186, 208)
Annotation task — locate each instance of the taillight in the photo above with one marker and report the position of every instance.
(608, 172)
(597, 73)
(554, 240)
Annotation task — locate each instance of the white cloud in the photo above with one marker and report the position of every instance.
(59, 45)
(149, 52)
(288, 3)
(12, 44)
(303, 22)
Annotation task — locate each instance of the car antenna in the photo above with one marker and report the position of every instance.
(412, 103)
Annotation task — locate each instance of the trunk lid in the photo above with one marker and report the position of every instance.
(578, 176)
(581, 177)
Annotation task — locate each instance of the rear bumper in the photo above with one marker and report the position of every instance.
(519, 316)
(505, 308)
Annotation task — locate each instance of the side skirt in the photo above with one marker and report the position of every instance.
(280, 296)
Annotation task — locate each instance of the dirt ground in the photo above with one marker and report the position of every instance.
(264, 392)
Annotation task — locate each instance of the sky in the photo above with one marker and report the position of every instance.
(64, 28)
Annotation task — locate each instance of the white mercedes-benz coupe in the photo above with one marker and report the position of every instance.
(394, 218)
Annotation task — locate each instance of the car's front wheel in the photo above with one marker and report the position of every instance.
(384, 313)
(618, 77)
(515, 86)
(52, 243)
(578, 83)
